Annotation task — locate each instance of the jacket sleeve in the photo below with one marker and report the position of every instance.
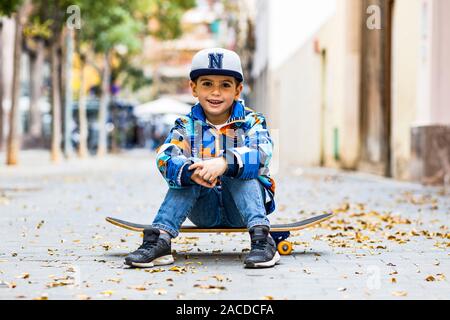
(173, 157)
(253, 158)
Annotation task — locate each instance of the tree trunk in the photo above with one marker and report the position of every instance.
(13, 144)
(36, 77)
(68, 100)
(1, 85)
(56, 103)
(82, 115)
(103, 108)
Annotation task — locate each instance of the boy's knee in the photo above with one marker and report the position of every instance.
(229, 180)
(194, 190)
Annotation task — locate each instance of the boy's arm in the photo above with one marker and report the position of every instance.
(173, 157)
(246, 162)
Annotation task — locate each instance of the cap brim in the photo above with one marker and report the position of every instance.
(219, 72)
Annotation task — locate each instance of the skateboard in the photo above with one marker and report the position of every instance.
(279, 232)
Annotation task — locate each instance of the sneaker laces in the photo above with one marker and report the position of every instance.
(147, 245)
(259, 244)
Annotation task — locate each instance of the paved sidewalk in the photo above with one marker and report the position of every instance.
(389, 239)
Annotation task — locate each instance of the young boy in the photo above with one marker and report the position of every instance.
(215, 161)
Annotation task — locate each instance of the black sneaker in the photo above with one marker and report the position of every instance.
(154, 251)
(264, 252)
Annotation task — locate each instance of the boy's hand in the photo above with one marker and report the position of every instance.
(209, 170)
(199, 180)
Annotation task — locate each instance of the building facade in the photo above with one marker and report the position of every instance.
(368, 91)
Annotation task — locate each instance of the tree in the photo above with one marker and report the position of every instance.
(124, 24)
(82, 113)
(8, 8)
(13, 143)
(53, 12)
(1, 84)
(36, 33)
(107, 31)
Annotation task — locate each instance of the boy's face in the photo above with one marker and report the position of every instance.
(216, 93)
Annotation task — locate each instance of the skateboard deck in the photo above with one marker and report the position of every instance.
(296, 226)
(279, 232)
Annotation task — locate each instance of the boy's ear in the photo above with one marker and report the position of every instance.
(239, 88)
(193, 86)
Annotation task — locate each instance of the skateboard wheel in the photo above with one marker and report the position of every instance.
(284, 248)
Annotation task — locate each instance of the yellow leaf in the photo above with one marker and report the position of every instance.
(139, 288)
(154, 270)
(178, 269)
(107, 293)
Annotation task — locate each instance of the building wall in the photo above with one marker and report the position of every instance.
(318, 109)
(405, 56)
(439, 62)
(296, 103)
(313, 107)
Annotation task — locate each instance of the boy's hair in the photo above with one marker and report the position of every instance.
(216, 61)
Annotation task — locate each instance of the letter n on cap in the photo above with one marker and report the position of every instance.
(215, 60)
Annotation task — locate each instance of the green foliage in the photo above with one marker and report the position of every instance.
(8, 7)
(108, 24)
(168, 15)
(108, 28)
(134, 76)
(37, 28)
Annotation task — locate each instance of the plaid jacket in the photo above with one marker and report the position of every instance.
(244, 142)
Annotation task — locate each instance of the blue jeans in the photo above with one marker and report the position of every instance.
(235, 203)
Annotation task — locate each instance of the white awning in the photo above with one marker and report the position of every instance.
(161, 106)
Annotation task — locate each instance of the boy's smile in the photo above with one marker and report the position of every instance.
(216, 95)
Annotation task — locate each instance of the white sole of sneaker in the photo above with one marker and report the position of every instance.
(276, 258)
(161, 261)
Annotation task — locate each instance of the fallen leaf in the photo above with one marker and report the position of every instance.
(107, 293)
(10, 285)
(42, 297)
(40, 224)
(209, 286)
(219, 278)
(178, 269)
(160, 292)
(139, 288)
(154, 270)
(430, 278)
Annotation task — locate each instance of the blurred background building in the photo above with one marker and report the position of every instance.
(366, 90)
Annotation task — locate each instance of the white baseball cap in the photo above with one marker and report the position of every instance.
(216, 61)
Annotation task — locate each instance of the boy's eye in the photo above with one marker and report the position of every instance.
(226, 85)
(207, 84)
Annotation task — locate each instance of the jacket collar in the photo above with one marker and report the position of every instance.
(237, 113)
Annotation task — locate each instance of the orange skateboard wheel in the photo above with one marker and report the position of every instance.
(284, 248)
